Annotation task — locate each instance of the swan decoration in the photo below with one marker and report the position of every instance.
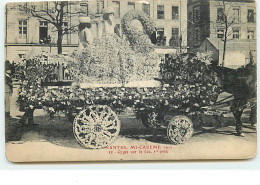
(121, 60)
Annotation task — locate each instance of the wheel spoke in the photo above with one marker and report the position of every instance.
(104, 112)
(109, 119)
(83, 113)
(111, 127)
(101, 140)
(98, 140)
(91, 138)
(86, 121)
(107, 134)
(95, 117)
(84, 129)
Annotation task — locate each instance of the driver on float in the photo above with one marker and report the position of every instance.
(108, 21)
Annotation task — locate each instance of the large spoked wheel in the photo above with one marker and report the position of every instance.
(180, 129)
(96, 126)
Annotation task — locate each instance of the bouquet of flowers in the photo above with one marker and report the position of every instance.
(194, 80)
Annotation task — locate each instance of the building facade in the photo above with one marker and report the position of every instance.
(207, 26)
(170, 17)
(25, 34)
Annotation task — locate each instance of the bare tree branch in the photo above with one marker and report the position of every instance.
(70, 30)
(229, 20)
(42, 14)
(58, 13)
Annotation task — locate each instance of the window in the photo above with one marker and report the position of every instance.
(21, 56)
(236, 14)
(83, 9)
(174, 41)
(22, 29)
(160, 32)
(175, 32)
(131, 6)
(196, 14)
(43, 6)
(43, 24)
(220, 33)
(100, 6)
(197, 36)
(220, 15)
(250, 15)
(160, 38)
(43, 32)
(235, 33)
(146, 9)
(160, 11)
(116, 5)
(175, 12)
(250, 33)
(65, 24)
(65, 38)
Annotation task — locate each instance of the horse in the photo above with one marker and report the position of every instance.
(241, 83)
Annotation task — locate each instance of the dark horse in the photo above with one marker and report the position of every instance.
(241, 83)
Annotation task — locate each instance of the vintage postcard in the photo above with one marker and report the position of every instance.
(113, 80)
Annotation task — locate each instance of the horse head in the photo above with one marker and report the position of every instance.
(240, 82)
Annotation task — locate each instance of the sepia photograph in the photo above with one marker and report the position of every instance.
(130, 80)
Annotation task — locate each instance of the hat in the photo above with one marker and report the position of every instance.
(84, 20)
(108, 10)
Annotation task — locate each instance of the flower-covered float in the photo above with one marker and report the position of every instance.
(114, 72)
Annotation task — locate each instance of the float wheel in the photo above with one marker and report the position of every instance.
(96, 126)
(179, 129)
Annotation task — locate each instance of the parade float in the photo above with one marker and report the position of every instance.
(114, 72)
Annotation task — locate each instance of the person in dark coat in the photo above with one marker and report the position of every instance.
(8, 87)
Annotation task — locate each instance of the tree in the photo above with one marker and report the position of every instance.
(226, 17)
(53, 13)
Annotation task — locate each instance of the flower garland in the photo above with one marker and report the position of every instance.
(172, 98)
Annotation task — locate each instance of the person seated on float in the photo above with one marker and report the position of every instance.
(85, 35)
(108, 21)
